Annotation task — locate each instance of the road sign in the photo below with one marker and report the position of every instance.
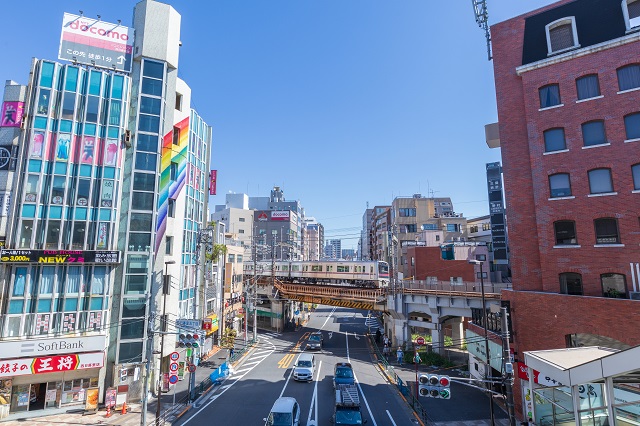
(192, 368)
(420, 341)
(173, 367)
(174, 356)
(173, 379)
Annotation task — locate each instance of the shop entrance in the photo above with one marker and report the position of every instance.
(37, 394)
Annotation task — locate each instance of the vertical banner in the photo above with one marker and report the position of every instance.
(213, 177)
(11, 114)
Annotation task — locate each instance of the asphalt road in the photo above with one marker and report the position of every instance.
(265, 374)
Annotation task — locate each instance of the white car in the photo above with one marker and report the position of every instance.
(285, 412)
(304, 368)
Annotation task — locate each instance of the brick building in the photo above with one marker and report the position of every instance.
(568, 95)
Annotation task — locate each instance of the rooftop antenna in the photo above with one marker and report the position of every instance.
(81, 13)
(482, 19)
(99, 18)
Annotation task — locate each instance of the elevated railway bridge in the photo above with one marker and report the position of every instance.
(409, 307)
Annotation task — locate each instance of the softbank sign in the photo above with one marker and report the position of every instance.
(280, 215)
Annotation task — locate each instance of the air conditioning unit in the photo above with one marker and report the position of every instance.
(634, 295)
(126, 138)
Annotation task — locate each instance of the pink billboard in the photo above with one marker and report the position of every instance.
(11, 114)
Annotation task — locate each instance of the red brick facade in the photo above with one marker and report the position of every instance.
(542, 318)
(429, 263)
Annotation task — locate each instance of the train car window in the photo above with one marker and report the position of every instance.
(295, 267)
(329, 268)
(285, 267)
(316, 268)
(371, 269)
(343, 269)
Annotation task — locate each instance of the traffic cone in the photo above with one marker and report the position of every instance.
(124, 408)
(108, 411)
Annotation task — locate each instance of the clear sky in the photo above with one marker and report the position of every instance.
(339, 102)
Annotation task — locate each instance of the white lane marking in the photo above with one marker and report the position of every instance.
(258, 354)
(285, 383)
(391, 418)
(314, 398)
(328, 317)
(222, 389)
(355, 378)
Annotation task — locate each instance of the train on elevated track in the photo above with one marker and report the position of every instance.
(364, 274)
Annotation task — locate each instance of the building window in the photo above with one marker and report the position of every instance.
(635, 171)
(614, 285)
(241, 219)
(561, 35)
(607, 230)
(571, 283)
(176, 136)
(484, 275)
(629, 77)
(588, 87)
(560, 185)
(453, 227)
(173, 171)
(169, 245)
(631, 12)
(600, 181)
(178, 101)
(593, 133)
(554, 140)
(632, 126)
(565, 231)
(481, 257)
(549, 95)
(407, 212)
(171, 209)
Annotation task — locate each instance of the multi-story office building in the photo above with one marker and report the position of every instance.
(314, 240)
(333, 249)
(108, 196)
(380, 234)
(364, 245)
(567, 79)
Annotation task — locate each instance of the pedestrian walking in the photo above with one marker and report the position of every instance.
(385, 352)
(231, 351)
(378, 335)
(400, 355)
(386, 340)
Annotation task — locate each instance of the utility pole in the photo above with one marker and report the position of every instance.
(508, 366)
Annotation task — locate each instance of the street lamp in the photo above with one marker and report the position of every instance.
(486, 335)
(166, 284)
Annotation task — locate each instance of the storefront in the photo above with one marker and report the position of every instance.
(45, 380)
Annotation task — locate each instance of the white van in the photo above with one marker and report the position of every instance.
(305, 368)
(285, 412)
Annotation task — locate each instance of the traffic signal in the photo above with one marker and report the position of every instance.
(189, 341)
(434, 386)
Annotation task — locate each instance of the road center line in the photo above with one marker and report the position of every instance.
(314, 398)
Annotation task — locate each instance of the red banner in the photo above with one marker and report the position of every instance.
(213, 177)
(51, 364)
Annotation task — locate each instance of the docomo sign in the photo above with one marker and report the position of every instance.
(93, 28)
(51, 364)
(280, 215)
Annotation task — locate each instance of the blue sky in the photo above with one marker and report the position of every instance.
(339, 102)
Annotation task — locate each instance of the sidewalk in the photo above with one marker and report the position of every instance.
(76, 415)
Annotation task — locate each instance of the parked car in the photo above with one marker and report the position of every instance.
(343, 374)
(315, 341)
(304, 368)
(285, 412)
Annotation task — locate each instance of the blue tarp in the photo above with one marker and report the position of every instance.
(220, 373)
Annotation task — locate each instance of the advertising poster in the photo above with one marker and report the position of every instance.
(103, 231)
(11, 115)
(181, 370)
(111, 153)
(37, 144)
(107, 193)
(62, 147)
(110, 397)
(92, 399)
(213, 177)
(88, 146)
